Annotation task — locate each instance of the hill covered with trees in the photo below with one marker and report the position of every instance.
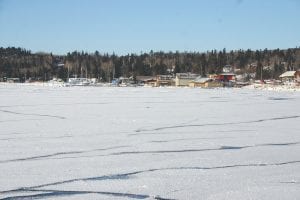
(23, 64)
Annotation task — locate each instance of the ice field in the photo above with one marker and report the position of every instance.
(148, 143)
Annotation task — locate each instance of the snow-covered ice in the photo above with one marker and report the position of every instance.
(148, 143)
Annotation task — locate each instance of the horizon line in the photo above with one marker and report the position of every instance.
(147, 52)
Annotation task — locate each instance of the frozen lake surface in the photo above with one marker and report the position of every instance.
(148, 143)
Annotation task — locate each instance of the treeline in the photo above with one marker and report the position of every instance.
(21, 63)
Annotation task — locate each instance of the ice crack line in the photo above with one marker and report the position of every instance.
(32, 114)
(218, 124)
(222, 148)
(55, 193)
(58, 154)
(60, 193)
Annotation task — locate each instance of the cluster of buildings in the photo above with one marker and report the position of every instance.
(188, 80)
(228, 78)
(225, 79)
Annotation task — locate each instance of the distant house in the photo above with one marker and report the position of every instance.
(13, 80)
(155, 81)
(183, 79)
(290, 76)
(227, 78)
(124, 81)
(146, 80)
(205, 83)
(164, 80)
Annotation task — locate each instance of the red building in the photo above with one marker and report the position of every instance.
(226, 77)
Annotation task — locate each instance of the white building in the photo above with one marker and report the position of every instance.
(183, 79)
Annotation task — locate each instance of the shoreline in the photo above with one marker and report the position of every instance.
(251, 87)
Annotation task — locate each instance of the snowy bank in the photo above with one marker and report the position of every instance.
(273, 87)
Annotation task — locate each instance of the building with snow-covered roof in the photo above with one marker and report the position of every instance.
(205, 82)
(290, 77)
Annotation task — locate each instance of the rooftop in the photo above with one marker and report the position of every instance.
(287, 74)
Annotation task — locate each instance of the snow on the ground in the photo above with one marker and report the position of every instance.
(292, 88)
(148, 143)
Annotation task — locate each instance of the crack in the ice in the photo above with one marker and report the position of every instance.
(280, 144)
(58, 154)
(143, 132)
(32, 114)
(279, 98)
(139, 152)
(97, 178)
(187, 139)
(179, 150)
(123, 176)
(38, 196)
(218, 124)
(244, 165)
(60, 193)
(41, 156)
(222, 148)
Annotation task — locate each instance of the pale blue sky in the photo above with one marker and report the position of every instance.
(132, 26)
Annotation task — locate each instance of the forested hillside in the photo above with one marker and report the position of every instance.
(21, 63)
